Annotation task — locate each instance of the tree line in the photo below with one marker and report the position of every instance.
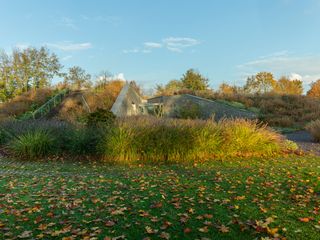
(260, 83)
(32, 68)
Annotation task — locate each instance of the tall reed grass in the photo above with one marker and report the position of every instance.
(174, 140)
(314, 129)
(34, 144)
(145, 139)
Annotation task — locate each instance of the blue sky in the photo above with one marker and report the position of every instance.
(156, 41)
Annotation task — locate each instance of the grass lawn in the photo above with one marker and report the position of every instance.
(240, 199)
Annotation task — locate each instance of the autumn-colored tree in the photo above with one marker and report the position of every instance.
(170, 88)
(191, 81)
(227, 89)
(285, 86)
(77, 78)
(103, 79)
(26, 69)
(194, 81)
(315, 89)
(261, 83)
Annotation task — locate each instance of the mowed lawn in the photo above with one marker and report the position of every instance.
(238, 199)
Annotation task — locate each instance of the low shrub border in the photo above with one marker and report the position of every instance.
(145, 139)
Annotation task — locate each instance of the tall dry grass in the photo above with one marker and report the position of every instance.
(145, 139)
(173, 140)
(278, 110)
(25, 102)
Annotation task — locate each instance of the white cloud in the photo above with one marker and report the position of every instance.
(295, 76)
(173, 44)
(152, 45)
(66, 58)
(180, 42)
(119, 76)
(177, 44)
(172, 49)
(134, 50)
(305, 67)
(69, 46)
(308, 79)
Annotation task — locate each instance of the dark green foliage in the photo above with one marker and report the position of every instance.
(33, 144)
(194, 81)
(68, 138)
(84, 141)
(191, 82)
(4, 136)
(16, 128)
(100, 117)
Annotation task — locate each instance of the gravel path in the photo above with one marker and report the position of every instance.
(305, 142)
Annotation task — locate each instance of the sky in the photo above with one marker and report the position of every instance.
(155, 41)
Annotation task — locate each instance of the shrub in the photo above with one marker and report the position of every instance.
(83, 141)
(100, 117)
(314, 129)
(13, 130)
(33, 144)
(77, 140)
(146, 139)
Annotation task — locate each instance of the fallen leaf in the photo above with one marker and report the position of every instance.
(25, 234)
(204, 229)
(164, 235)
(223, 229)
(110, 223)
(305, 219)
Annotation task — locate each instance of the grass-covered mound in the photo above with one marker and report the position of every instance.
(28, 101)
(278, 110)
(78, 103)
(252, 199)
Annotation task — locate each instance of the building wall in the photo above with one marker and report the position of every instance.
(127, 102)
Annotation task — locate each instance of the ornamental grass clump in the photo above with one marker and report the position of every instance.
(247, 137)
(33, 144)
(314, 129)
(152, 139)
